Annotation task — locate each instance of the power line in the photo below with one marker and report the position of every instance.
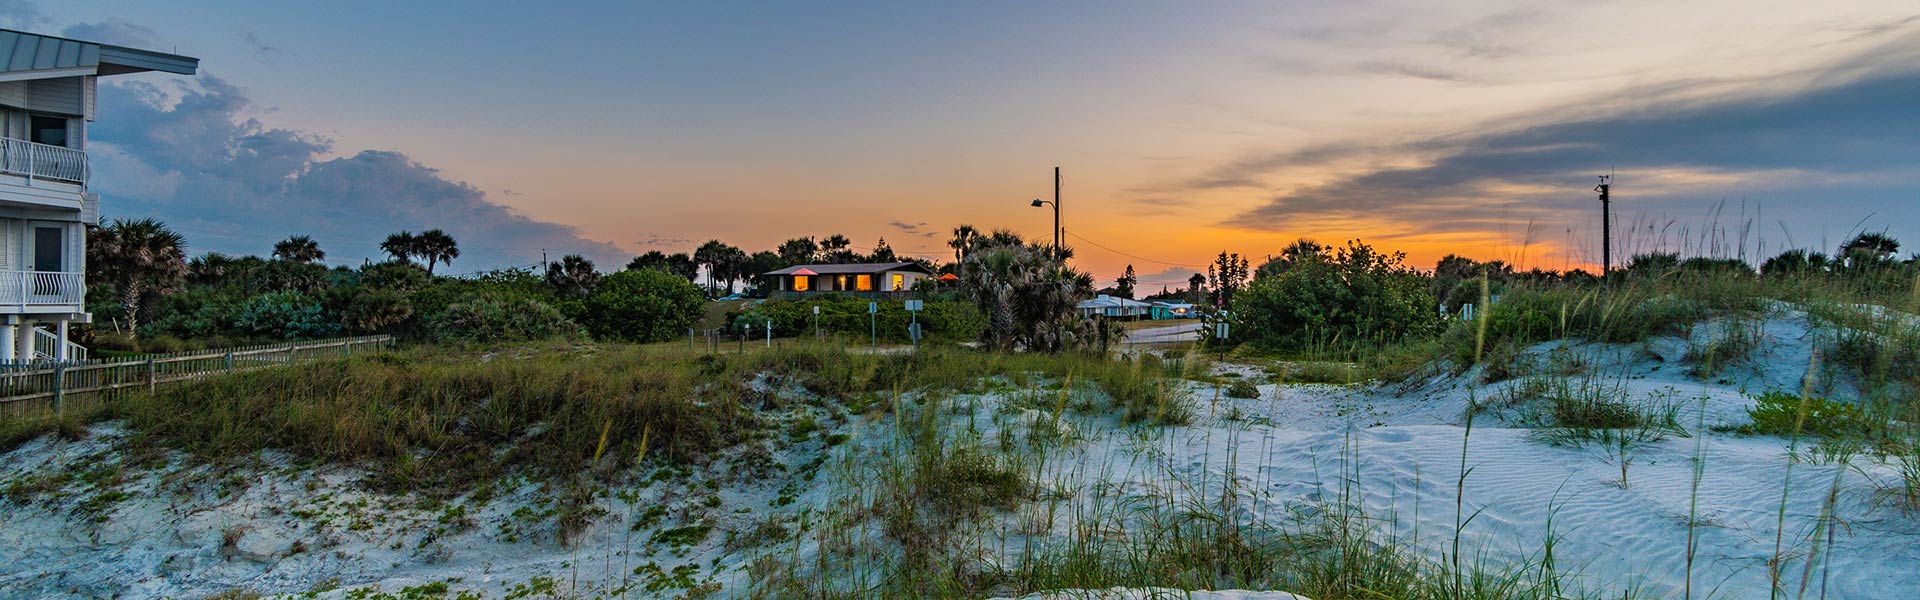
(1132, 256)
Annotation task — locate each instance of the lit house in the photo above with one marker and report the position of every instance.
(47, 89)
(872, 279)
(1114, 307)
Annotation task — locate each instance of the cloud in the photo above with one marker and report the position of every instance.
(1844, 139)
(20, 14)
(266, 52)
(232, 184)
(919, 229)
(116, 31)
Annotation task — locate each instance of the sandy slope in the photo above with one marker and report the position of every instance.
(1395, 451)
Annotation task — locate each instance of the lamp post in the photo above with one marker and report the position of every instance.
(1037, 203)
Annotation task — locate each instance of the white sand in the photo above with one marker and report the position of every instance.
(299, 527)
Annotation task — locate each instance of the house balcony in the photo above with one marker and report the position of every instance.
(43, 162)
(22, 291)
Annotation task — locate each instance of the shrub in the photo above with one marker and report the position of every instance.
(1356, 293)
(642, 306)
(287, 314)
(1776, 413)
(839, 313)
(1243, 389)
(488, 320)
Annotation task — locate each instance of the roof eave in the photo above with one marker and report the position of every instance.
(133, 60)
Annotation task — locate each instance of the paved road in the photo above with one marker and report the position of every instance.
(1184, 332)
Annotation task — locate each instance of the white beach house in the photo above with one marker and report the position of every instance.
(47, 89)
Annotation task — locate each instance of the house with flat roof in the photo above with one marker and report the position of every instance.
(861, 279)
(47, 89)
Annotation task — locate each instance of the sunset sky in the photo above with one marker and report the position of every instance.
(1183, 129)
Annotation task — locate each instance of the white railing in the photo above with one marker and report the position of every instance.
(41, 161)
(46, 346)
(31, 288)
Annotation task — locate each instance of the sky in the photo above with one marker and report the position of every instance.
(1182, 129)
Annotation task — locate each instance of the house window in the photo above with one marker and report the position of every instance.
(800, 283)
(47, 130)
(863, 283)
(49, 245)
(899, 282)
(840, 283)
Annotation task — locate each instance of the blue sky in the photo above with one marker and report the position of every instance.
(1184, 129)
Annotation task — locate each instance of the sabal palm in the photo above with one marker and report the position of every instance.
(1029, 296)
(962, 240)
(300, 249)
(435, 246)
(137, 258)
(572, 276)
(401, 246)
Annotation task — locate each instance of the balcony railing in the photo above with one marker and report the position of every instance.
(41, 161)
(39, 288)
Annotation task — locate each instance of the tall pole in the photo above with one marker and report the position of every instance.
(1056, 210)
(1606, 224)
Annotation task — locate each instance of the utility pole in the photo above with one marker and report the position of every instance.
(1057, 231)
(1606, 224)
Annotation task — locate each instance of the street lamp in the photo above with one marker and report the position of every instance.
(1037, 203)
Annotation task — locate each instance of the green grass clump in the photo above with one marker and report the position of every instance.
(1243, 389)
(1784, 414)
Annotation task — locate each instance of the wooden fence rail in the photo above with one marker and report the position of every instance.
(56, 384)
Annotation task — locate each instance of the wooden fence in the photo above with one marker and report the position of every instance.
(54, 385)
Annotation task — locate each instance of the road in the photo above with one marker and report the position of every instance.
(1184, 332)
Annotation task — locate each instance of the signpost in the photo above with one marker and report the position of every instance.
(913, 328)
(873, 325)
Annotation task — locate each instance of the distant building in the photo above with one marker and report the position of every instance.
(1170, 309)
(867, 279)
(1115, 307)
(47, 91)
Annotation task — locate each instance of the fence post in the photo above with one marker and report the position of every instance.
(229, 361)
(150, 375)
(59, 387)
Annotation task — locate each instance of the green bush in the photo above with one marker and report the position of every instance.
(1776, 413)
(940, 319)
(287, 314)
(642, 306)
(1356, 293)
(488, 320)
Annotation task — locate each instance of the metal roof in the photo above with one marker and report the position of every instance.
(24, 52)
(854, 268)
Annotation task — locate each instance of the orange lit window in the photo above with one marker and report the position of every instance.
(800, 283)
(899, 282)
(863, 283)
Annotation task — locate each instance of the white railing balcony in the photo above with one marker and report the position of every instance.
(41, 161)
(22, 289)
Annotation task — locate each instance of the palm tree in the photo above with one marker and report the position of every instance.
(732, 264)
(137, 258)
(299, 249)
(438, 247)
(572, 276)
(708, 255)
(836, 249)
(1030, 297)
(401, 246)
(1878, 245)
(962, 240)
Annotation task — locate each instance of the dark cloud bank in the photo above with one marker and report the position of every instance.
(1819, 158)
(232, 184)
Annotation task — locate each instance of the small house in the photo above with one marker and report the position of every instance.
(861, 279)
(1114, 307)
(1173, 309)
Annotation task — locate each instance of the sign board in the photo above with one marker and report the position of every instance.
(1220, 330)
(816, 309)
(873, 307)
(913, 305)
